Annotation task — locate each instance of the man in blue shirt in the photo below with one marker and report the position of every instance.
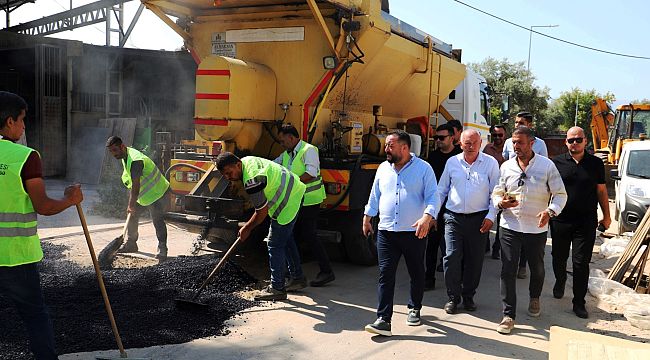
(403, 194)
(467, 184)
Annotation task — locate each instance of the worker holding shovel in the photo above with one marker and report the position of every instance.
(277, 192)
(148, 187)
(23, 195)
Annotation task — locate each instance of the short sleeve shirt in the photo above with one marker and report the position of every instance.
(255, 190)
(580, 181)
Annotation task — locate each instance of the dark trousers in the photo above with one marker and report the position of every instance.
(496, 246)
(283, 253)
(435, 242)
(463, 259)
(580, 236)
(22, 285)
(511, 244)
(390, 248)
(305, 230)
(157, 211)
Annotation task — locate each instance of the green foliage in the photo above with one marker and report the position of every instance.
(515, 81)
(561, 113)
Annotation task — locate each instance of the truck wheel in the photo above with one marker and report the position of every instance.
(360, 250)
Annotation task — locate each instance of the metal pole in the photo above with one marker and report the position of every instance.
(575, 121)
(530, 39)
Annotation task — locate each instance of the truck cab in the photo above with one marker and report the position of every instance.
(632, 185)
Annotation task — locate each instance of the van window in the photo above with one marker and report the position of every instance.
(639, 164)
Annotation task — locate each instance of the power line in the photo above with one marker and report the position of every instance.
(553, 37)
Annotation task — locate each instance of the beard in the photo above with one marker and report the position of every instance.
(391, 158)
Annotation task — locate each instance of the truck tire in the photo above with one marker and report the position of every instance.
(360, 250)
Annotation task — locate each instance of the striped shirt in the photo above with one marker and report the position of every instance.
(540, 188)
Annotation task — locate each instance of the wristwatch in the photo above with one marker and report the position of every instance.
(551, 213)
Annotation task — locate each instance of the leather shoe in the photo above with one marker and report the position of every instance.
(496, 255)
(322, 278)
(558, 289)
(468, 304)
(580, 311)
(451, 307)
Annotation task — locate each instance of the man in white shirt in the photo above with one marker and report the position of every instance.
(530, 192)
(524, 118)
(466, 183)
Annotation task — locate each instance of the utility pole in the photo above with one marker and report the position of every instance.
(530, 39)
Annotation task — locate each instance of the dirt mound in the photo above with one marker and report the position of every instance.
(142, 301)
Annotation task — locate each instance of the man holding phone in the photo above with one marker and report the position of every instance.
(530, 192)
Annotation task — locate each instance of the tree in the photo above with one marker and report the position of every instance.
(515, 81)
(561, 113)
(640, 102)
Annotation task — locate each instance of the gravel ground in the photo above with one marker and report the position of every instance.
(79, 317)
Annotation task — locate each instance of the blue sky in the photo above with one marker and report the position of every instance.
(623, 28)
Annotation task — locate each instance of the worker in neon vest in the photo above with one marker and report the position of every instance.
(276, 192)
(148, 189)
(23, 195)
(301, 158)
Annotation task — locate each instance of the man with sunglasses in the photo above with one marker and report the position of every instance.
(530, 192)
(495, 149)
(445, 149)
(584, 179)
(525, 119)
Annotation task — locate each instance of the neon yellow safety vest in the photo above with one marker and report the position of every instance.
(19, 243)
(315, 192)
(283, 190)
(153, 184)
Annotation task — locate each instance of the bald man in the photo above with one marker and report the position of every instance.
(466, 183)
(583, 176)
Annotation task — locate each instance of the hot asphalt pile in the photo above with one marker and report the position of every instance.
(142, 301)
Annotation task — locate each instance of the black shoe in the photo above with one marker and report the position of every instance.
(580, 311)
(468, 304)
(429, 284)
(271, 294)
(558, 289)
(379, 327)
(128, 247)
(451, 307)
(295, 284)
(322, 278)
(495, 255)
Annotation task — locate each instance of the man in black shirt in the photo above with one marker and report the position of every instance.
(584, 179)
(445, 149)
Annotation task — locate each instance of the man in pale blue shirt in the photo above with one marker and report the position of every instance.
(403, 195)
(467, 184)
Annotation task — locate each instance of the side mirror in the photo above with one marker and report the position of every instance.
(613, 174)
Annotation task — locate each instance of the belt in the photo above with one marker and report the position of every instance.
(478, 213)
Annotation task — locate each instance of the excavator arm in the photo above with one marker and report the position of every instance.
(602, 117)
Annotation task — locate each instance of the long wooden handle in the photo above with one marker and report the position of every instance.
(217, 268)
(100, 280)
(126, 226)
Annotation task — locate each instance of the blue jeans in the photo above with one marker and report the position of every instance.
(390, 248)
(22, 284)
(282, 252)
(463, 262)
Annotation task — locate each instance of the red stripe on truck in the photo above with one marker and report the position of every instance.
(213, 72)
(217, 122)
(199, 96)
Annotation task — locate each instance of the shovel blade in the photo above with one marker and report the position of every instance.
(106, 256)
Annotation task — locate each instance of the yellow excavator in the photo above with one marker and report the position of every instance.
(611, 130)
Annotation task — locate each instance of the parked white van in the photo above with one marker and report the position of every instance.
(632, 185)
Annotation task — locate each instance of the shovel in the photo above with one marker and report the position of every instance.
(102, 288)
(193, 302)
(107, 254)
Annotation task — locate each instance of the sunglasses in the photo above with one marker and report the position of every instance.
(572, 140)
(522, 176)
(439, 137)
(496, 135)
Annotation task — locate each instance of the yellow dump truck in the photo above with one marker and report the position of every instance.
(343, 72)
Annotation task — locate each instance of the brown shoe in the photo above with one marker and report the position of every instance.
(506, 325)
(534, 308)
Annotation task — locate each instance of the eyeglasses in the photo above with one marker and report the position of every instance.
(496, 135)
(572, 140)
(439, 137)
(522, 176)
